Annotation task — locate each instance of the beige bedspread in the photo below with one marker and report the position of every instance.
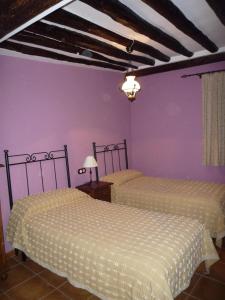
(200, 200)
(116, 252)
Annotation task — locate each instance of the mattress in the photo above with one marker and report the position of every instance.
(203, 201)
(114, 251)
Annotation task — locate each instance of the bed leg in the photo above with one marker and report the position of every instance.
(24, 257)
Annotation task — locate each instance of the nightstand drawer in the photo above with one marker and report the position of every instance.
(103, 194)
(99, 190)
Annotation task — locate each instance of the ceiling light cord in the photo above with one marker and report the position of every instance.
(130, 47)
(130, 86)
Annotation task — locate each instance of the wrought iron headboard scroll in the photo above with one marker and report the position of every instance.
(111, 148)
(36, 157)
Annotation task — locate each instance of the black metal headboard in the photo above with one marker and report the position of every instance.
(37, 157)
(111, 148)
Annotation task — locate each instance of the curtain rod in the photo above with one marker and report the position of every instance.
(200, 74)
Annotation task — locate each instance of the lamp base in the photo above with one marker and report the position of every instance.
(90, 176)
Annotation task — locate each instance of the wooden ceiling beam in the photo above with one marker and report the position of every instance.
(192, 62)
(218, 6)
(86, 42)
(16, 15)
(172, 13)
(28, 37)
(124, 15)
(74, 21)
(56, 56)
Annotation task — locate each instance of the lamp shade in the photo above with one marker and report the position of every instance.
(90, 162)
(131, 87)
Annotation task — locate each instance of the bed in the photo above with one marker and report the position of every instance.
(114, 251)
(37, 167)
(199, 200)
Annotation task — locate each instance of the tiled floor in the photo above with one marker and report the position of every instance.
(29, 281)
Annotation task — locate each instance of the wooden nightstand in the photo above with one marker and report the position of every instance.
(97, 189)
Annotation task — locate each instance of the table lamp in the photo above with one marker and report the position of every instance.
(90, 162)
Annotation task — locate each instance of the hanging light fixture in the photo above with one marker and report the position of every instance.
(130, 86)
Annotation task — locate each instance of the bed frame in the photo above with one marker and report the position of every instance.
(37, 158)
(111, 148)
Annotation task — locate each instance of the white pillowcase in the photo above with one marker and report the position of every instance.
(121, 177)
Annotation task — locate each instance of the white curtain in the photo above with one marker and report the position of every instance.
(213, 86)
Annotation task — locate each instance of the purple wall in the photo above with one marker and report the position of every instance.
(166, 126)
(44, 106)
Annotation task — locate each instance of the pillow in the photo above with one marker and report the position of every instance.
(46, 200)
(41, 202)
(29, 206)
(121, 177)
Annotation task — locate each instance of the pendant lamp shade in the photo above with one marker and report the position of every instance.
(131, 87)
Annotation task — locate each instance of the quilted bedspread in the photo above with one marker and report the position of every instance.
(114, 251)
(203, 201)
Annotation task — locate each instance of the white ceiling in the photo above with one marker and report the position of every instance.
(196, 11)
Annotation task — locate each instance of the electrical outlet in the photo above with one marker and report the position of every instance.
(81, 171)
